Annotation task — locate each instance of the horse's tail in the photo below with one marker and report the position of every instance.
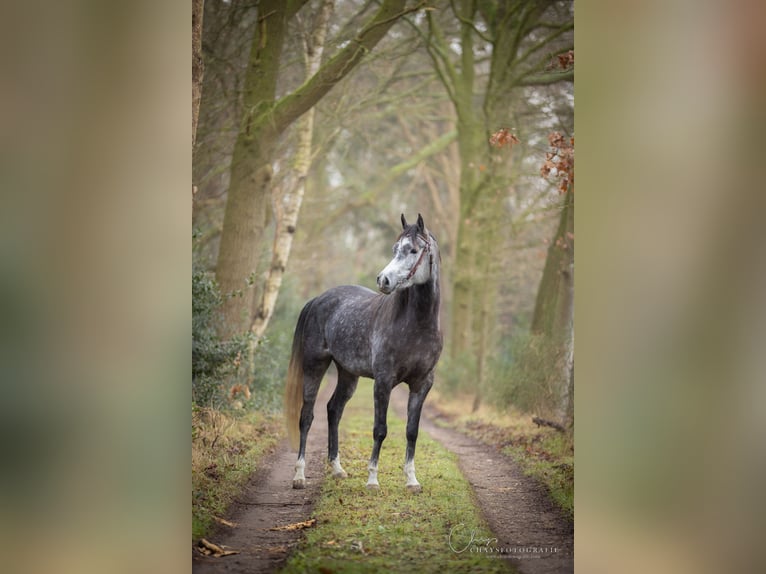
(294, 385)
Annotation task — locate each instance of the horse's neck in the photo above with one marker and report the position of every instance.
(428, 296)
(422, 302)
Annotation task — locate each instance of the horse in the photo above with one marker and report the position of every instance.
(393, 336)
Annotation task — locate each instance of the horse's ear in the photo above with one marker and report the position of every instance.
(404, 222)
(421, 225)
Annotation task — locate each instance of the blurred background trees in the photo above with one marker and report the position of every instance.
(326, 162)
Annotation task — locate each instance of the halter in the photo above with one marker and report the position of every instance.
(420, 259)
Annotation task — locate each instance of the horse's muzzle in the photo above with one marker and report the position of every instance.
(384, 284)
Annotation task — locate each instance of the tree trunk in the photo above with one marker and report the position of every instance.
(553, 317)
(287, 205)
(247, 205)
(198, 66)
(265, 119)
(473, 149)
(569, 413)
(555, 296)
(483, 327)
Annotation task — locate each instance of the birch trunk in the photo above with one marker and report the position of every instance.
(287, 205)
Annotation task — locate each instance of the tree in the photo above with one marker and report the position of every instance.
(198, 67)
(553, 318)
(287, 205)
(226, 39)
(265, 118)
(522, 38)
(548, 361)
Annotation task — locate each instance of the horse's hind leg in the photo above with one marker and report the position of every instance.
(343, 392)
(414, 407)
(312, 378)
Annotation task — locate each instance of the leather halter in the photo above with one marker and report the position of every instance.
(423, 251)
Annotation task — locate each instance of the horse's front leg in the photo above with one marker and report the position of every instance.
(382, 391)
(414, 408)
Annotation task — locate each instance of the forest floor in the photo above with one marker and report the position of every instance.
(339, 526)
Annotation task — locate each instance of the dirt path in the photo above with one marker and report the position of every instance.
(518, 510)
(268, 501)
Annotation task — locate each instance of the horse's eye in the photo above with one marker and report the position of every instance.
(413, 251)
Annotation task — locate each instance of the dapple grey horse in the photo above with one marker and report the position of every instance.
(393, 336)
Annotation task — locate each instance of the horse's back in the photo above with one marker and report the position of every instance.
(348, 292)
(344, 315)
(348, 308)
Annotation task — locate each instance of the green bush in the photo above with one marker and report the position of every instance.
(222, 376)
(214, 362)
(272, 356)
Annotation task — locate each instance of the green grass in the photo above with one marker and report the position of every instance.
(393, 530)
(225, 452)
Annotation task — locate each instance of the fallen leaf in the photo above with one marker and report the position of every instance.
(297, 525)
(209, 549)
(225, 522)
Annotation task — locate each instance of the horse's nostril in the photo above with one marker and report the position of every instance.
(385, 281)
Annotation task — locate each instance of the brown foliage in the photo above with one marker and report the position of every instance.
(566, 60)
(560, 161)
(503, 137)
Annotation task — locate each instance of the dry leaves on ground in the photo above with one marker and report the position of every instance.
(209, 549)
(297, 525)
(225, 522)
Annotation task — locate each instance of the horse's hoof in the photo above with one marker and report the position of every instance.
(415, 488)
(299, 483)
(373, 487)
(340, 474)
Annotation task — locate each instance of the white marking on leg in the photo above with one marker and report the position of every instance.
(372, 480)
(337, 469)
(299, 480)
(409, 471)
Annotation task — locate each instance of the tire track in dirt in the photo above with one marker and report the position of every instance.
(269, 501)
(517, 508)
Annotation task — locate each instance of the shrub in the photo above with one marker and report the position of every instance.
(272, 356)
(214, 362)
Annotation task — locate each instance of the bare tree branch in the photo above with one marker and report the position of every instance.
(299, 101)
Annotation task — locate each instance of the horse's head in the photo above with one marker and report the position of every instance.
(414, 253)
